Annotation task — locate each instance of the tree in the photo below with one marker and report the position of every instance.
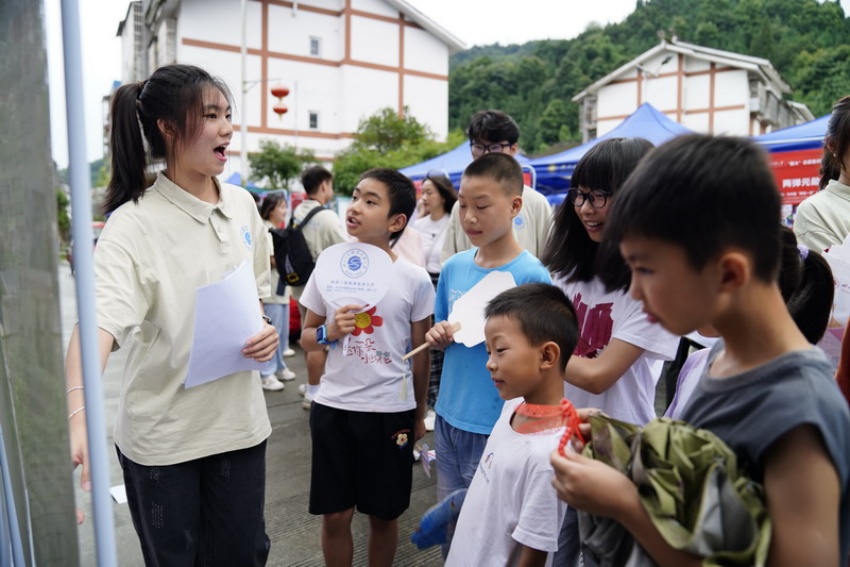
(805, 40)
(63, 218)
(553, 120)
(386, 131)
(279, 165)
(386, 139)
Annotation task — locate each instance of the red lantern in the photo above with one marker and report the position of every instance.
(280, 91)
(280, 110)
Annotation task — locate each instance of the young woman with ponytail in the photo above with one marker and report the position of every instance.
(823, 219)
(193, 458)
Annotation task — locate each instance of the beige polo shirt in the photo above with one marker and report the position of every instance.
(149, 261)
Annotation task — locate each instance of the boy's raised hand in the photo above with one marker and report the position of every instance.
(343, 322)
(441, 334)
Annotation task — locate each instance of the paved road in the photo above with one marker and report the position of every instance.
(294, 533)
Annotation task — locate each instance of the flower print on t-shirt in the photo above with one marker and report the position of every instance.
(365, 347)
(366, 322)
(595, 327)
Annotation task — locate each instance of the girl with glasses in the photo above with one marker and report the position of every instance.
(617, 361)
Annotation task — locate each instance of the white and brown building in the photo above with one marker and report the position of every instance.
(706, 90)
(342, 60)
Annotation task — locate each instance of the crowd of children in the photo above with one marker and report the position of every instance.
(651, 244)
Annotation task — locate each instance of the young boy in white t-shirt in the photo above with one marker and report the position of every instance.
(370, 408)
(511, 514)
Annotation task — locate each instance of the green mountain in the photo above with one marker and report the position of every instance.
(806, 40)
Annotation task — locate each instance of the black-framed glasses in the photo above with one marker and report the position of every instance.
(598, 199)
(481, 149)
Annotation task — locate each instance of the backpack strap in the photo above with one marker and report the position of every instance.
(310, 215)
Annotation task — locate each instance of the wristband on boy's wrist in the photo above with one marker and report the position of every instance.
(322, 335)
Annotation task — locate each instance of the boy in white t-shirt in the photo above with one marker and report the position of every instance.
(511, 515)
(370, 408)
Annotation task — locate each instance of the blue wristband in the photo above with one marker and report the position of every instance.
(322, 335)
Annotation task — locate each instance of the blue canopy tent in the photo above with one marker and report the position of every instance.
(452, 162)
(808, 136)
(236, 179)
(554, 172)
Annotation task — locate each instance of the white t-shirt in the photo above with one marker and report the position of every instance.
(603, 316)
(687, 382)
(511, 500)
(433, 235)
(366, 373)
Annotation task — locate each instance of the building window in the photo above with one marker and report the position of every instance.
(316, 46)
(314, 120)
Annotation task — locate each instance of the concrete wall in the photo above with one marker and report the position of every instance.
(33, 416)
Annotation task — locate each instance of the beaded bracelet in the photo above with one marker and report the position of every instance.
(72, 388)
(76, 411)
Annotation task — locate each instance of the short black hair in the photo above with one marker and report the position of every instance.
(570, 252)
(492, 126)
(705, 194)
(313, 177)
(544, 314)
(401, 191)
(501, 168)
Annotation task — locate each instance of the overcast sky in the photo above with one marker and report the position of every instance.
(475, 22)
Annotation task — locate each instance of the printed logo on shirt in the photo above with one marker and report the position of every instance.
(454, 295)
(401, 438)
(367, 351)
(354, 263)
(484, 467)
(595, 327)
(247, 239)
(519, 222)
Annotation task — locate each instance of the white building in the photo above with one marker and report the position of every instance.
(707, 90)
(342, 60)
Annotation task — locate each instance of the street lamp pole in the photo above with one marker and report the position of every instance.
(243, 122)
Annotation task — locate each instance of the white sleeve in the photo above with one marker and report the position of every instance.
(541, 514)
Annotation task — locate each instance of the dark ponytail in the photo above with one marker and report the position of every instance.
(173, 94)
(128, 150)
(837, 142)
(807, 286)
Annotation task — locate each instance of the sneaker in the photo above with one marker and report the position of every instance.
(288, 352)
(302, 390)
(307, 401)
(286, 375)
(429, 420)
(271, 383)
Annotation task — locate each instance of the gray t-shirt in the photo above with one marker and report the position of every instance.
(754, 409)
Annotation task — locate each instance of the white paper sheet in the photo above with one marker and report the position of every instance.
(119, 493)
(227, 314)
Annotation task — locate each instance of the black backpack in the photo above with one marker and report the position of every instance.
(291, 253)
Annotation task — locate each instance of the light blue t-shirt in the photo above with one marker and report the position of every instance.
(468, 400)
